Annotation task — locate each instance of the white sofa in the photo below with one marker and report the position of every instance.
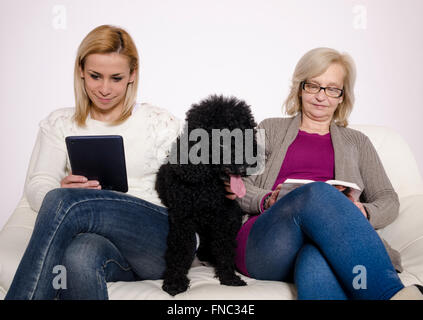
(405, 234)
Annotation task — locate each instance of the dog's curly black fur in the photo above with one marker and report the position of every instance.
(196, 199)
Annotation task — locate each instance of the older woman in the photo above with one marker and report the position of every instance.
(315, 235)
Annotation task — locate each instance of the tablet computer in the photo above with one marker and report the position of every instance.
(100, 158)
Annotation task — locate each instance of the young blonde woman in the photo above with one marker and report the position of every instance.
(315, 236)
(97, 235)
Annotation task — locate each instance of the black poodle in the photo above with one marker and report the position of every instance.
(191, 185)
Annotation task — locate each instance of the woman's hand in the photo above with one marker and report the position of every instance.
(74, 181)
(361, 207)
(270, 201)
(357, 203)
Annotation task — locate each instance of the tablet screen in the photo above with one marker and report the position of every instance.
(99, 158)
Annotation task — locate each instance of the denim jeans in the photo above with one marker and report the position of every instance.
(97, 236)
(316, 237)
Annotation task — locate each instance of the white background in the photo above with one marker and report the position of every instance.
(192, 48)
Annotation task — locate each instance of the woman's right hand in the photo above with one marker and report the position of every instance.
(74, 181)
(270, 201)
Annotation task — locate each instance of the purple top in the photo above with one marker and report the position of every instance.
(310, 156)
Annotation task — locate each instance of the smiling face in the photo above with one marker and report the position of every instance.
(318, 106)
(106, 78)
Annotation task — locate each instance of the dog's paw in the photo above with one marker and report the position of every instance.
(233, 280)
(173, 286)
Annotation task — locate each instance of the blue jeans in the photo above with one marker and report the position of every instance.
(316, 237)
(97, 236)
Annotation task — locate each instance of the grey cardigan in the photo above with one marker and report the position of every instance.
(356, 160)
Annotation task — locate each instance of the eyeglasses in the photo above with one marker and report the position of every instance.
(315, 88)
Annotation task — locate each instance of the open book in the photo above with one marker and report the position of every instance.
(350, 189)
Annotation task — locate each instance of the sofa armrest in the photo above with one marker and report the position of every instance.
(14, 238)
(405, 234)
(408, 227)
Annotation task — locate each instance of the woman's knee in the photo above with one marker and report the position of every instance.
(304, 196)
(66, 196)
(317, 190)
(314, 199)
(52, 203)
(59, 198)
(88, 252)
(61, 201)
(53, 197)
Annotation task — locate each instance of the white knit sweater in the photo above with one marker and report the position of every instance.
(147, 134)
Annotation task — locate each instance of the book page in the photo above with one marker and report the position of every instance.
(343, 183)
(350, 189)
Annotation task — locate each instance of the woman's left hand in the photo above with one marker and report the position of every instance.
(361, 207)
(357, 203)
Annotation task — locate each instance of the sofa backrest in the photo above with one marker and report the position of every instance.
(397, 158)
(395, 154)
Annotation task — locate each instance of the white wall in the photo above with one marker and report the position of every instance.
(192, 48)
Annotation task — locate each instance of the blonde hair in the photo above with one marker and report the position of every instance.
(314, 63)
(105, 39)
